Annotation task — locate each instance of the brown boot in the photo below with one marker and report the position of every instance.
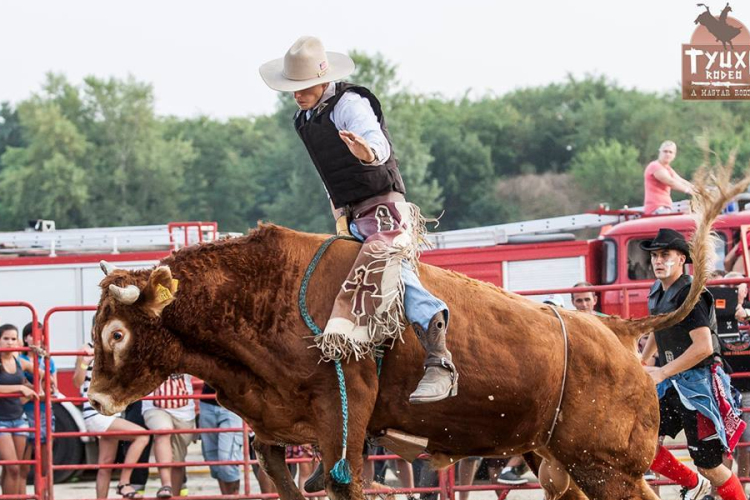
(440, 378)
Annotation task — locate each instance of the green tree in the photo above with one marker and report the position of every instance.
(610, 173)
(45, 179)
(137, 173)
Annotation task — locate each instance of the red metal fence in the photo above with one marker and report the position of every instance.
(44, 484)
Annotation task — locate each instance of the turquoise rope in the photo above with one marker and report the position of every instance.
(341, 472)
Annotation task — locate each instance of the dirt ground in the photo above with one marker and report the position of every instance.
(201, 483)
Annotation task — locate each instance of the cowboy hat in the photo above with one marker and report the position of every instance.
(668, 239)
(306, 64)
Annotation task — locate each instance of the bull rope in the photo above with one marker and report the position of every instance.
(341, 472)
(564, 377)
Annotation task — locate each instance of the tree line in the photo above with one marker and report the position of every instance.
(96, 153)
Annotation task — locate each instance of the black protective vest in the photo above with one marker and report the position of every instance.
(674, 341)
(346, 179)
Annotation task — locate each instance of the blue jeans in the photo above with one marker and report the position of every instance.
(419, 304)
(13, 424)
(42, 419)
(222, 445)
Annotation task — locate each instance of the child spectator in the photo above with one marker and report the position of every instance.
(12, 380)
(171, 414)
(96, 422)
(221, 445)
(28, 407)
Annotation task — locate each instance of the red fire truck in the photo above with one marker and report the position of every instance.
(49, 267)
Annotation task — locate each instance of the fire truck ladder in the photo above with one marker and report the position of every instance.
(45, 240)
(533, 230)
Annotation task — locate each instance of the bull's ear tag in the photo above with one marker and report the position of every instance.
(163, 294)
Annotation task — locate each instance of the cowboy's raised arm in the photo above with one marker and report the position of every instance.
(360, 130)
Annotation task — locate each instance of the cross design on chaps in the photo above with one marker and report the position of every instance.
(384, 218)
(359, 285)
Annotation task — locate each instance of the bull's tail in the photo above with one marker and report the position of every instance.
(707, 204)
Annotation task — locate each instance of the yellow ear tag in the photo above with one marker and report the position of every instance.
(163, 293)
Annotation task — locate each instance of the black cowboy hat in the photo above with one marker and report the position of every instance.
(668, 239)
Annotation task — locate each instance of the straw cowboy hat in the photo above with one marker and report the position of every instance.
(306, 64)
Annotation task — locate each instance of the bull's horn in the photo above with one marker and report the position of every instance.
(127, 295)
(107, 268)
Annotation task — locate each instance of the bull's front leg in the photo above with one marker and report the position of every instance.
(272, 460)
(331, 453)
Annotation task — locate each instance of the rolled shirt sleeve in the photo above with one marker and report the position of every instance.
(354, 113)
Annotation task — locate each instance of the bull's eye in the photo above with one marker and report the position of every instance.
(117, 335)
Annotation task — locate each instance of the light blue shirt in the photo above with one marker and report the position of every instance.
(354, 113)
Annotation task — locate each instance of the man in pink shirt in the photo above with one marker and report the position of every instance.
(660, 178)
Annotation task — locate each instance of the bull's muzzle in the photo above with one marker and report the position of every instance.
(103, 404)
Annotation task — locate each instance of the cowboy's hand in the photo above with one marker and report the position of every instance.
(656, 373)
(358, 146)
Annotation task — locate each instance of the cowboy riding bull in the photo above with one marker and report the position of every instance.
(234, 321)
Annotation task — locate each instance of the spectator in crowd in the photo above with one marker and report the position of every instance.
(735, 259)
(223, 445)
(305, 468)
(96, 422)
(375, 470)
(12, 381)
(467, 469)
(139, 478)
(176, 412)
(513, 472)
(742, 314)
(584, 301)
(660, 178)
(554, 299)
(28, 407)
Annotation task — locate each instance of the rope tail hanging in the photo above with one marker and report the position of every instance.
(341, 472)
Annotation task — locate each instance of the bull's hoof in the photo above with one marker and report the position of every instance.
(316, 481)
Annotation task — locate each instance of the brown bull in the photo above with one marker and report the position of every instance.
(234, 322)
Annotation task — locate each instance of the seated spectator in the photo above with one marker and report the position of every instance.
(12, 380)
(96, 422)
(223, 445)
(171, 414)
(139, 478)
(659, 179)
(28, 407)
(554, 299)
(513, 472)
(467, 469)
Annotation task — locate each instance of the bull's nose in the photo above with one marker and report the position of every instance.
(95, 404)
(102, 403)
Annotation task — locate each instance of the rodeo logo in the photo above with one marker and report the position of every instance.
(716, 62)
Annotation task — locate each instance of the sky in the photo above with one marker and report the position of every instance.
(202, 58)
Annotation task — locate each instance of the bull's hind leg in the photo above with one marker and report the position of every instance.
(571, 492)
(602, 481)
(272, 460)
(554, 479)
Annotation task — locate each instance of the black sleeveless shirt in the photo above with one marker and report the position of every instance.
(346, 179)
(673, 342)
(11, 408)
